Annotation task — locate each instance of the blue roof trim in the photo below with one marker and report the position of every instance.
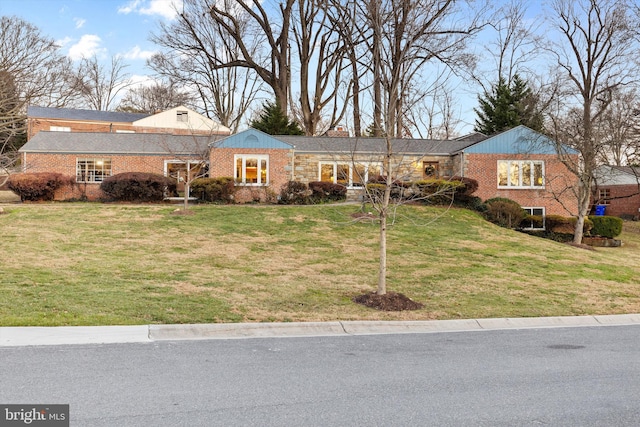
(251, 138)
(519, 140)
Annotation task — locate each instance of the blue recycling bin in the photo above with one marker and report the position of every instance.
(600, 210)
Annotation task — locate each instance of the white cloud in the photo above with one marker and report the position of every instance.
(164, 8)
(88, 46)
(79, 22)
(137, 53)
(63, 42)
(129, 7)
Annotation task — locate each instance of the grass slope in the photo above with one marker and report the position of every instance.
(94, 264)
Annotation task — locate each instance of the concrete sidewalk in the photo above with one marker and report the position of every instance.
(61, 335)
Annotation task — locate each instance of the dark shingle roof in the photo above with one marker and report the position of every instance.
(115, 143)
(315, 144)
(88, 115)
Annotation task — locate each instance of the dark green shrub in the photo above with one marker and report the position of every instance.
(214, 190)
(400, 190)
(295, 193)
(504, 212)
(606, 226)
(532, 221)
(322, 191)
(38, 186)
(138, 187)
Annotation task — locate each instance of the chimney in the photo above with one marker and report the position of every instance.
(338, 131)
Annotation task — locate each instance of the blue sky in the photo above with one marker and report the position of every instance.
(97, 27)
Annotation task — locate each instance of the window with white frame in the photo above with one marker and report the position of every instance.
(520, 174)
(59, 128)
(535, 221)
(348, 174)
(604, 196)
(92, 170)
(251, 169)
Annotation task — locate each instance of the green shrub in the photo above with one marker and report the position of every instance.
(38, 186)
(504, 212)
(322, 191)
(138, 187)
(438, 191)
(606, 226)
(295, 193)
(565, 225)
(214, 190)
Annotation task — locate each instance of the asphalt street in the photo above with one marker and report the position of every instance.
(566, 376)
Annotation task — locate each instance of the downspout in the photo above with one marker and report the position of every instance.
(293, 163)
(462, 163)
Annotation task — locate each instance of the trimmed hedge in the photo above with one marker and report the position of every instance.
(566, 225)
(294, 193)
(606, 226)
(327, 192)
(38, 186)
(214, 190)
(138, 187)
(438, 191)
(504, 212)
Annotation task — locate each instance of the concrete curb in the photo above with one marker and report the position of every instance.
(63, 335)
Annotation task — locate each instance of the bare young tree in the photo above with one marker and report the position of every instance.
(160, 96)
(595, 53)
(195, 46)
(411, 35)
(98, 84)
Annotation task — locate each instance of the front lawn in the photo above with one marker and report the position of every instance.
(97, 264)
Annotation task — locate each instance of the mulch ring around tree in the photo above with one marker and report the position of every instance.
(391, 301)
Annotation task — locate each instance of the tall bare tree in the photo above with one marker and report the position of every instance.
(619, 129)
(321, 53)
(194, 47)
(159, 96)
(595, 53)
(249, 24)
(32, 71)
(98, 84)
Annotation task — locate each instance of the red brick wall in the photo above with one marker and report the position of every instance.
(66, 165)
(222, 164)
(625, 200)
(484, 168)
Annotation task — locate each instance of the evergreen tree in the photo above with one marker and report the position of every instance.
(508, 106)
(274, 122)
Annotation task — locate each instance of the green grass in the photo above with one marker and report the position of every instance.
(95, 264)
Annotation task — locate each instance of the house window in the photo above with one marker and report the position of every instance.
(533, 223)
(182, 116)
(60, 129)
(92, 170)
(604, 196)
(520, 174)
(348, 174)
(251, 169)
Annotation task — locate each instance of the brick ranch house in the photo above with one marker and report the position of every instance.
(519, 164)
(618, 189)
